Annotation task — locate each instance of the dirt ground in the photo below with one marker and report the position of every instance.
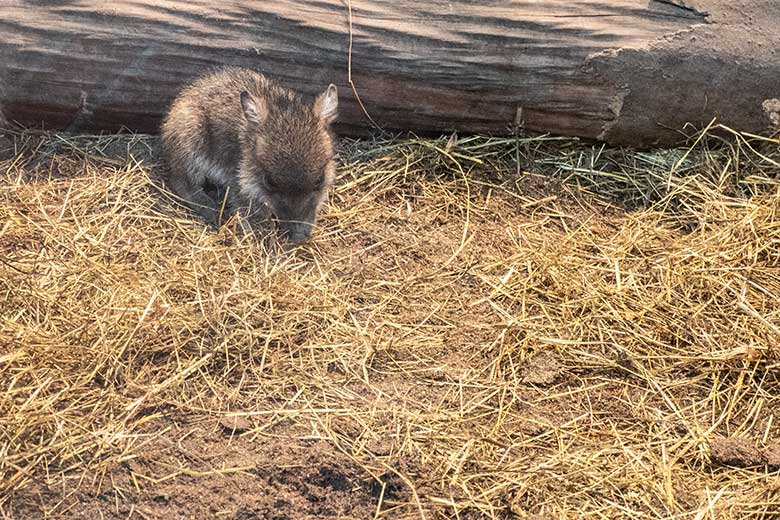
(471, 334)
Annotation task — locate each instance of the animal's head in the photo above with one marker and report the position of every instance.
(288, 156)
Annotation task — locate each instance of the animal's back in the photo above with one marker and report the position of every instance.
(205, 120)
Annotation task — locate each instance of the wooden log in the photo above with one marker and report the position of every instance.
(623, 71)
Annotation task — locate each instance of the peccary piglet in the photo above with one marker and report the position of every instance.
(238, 133)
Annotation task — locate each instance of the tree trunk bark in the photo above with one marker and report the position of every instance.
(622, 71)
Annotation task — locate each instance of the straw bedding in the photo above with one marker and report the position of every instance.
(482, 328)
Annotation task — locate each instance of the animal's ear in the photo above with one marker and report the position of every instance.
(327, 104)
(255, 110)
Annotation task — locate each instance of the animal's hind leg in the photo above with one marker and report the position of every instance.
(189, 181)
(196, 198)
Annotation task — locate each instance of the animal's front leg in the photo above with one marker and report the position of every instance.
(236, 206)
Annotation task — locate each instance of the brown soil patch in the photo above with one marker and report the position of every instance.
(207, 474)
(743, 453)
(736, 452)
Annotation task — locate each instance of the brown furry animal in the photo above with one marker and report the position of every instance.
(254, 141)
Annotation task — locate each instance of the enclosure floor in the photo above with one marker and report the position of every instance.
(470, 334)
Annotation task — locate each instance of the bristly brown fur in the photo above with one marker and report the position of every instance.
(257, 142)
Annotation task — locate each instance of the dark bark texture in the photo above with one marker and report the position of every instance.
(622, 71)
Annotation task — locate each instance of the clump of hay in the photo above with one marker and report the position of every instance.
(505, 328)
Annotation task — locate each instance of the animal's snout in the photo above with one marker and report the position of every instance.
(295, 216)
(295, 232)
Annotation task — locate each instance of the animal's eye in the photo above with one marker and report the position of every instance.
(319, 183)
(271, 184)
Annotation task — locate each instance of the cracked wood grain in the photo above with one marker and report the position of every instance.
(427, 66)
